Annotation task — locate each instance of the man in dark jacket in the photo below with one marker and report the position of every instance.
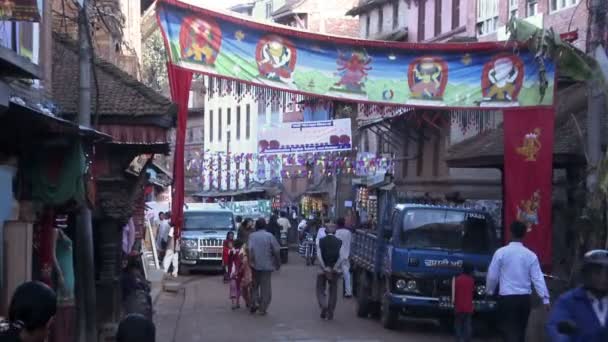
(330, 261)
(583, 310)
(265, 258)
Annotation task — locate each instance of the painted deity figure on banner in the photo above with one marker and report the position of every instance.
(353, 69)
(276, 58)
(200, 40)
(527, 210)
(427, 78)
(502, 78)
(531, 145)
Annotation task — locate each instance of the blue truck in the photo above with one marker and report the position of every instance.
(406, 266)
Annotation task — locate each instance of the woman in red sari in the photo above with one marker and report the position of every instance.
(235, 274)
(228, 245)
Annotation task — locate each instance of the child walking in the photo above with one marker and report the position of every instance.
(227, 247)
(234, 260)
(463, 287)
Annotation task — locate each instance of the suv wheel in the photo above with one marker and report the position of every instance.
(183, 270)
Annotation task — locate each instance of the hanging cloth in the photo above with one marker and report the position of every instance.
(56, 174)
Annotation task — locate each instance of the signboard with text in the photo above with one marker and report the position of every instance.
(305, 137)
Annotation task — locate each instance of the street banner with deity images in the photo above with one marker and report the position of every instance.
(305, 137)
(529, 176)
(434, 75)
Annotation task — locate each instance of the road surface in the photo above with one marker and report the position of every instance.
(200, 311)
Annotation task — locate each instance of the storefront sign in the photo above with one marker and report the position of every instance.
(19, 10)
(251, 209)
(490, 74)
(303, 137)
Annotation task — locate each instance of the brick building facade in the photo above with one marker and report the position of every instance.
(325, 17)
(563, 16)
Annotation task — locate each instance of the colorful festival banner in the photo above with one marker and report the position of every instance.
(529, 176)
(19, 10)
(303, 137)
(434, 75)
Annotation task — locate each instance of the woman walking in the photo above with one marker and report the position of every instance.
(228, 245)
(245, 276)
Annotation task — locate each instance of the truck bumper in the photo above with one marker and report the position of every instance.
(201, 265)
(432, 306)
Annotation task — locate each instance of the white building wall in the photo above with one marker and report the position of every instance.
(259, 116)
(406, 15)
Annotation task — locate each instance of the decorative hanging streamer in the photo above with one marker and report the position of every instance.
(477, 120)
(489, 74)
(180, 81)
(529, 176)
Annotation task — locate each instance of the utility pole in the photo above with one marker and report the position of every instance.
(85, 276)
(228, 161)
(596, 99)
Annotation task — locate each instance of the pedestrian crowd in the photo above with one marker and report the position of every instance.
(249, 261)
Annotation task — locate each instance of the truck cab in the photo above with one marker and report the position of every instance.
(406, 267)
(202, 239)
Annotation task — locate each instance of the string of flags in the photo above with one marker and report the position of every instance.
(211, 165)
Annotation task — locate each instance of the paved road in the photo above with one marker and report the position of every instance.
(200, 311)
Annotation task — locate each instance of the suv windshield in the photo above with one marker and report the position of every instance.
(208, 220)
(447, 230)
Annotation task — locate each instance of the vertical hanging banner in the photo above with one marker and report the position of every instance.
(488, 74)
(528, 171)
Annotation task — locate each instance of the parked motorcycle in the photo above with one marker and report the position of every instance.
(308, 249)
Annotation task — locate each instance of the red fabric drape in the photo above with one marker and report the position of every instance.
(529, 175)
(180, 81)
(44, 242)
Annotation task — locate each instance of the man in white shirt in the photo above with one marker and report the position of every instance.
(345, 236)
(171, 258)
(321, 233)
(514, 269)
(283, 221)
(162, 236)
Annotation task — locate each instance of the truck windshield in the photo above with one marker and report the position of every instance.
(447, 230)
(208, 220)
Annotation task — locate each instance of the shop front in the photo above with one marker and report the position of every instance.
(371, 192)
(314, 204)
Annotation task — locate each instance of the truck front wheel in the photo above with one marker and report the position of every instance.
(389, 316)
(363, 293)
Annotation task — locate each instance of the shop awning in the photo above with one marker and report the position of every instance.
(29, 113)
(486, 150)
(379, 181)
(270, 190)
(14, 65)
